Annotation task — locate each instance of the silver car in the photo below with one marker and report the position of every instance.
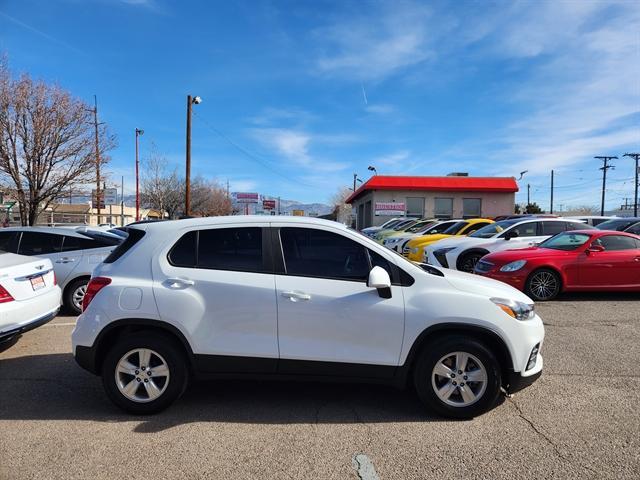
(74, 255)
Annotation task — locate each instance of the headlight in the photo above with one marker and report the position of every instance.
(442, 251)
(515, 309)
(513, 266)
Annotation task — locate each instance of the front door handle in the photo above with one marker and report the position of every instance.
(296, 296)
(177, 283)
(65, 260)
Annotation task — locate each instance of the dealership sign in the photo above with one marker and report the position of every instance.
(390, 208)
(268, 204)
(247, 197)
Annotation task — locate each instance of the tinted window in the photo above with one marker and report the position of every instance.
(525, 230)
(476, 226)
(231, 249)
(183, 253)
(439, 228)
(632, 229)
(578, 226)
(76, 243)
(553, 228)
(37, 243)
(133, 237)
(9, 242)
(317, 253)
(566, 241)
(378, 261)
(616, 242)
(455, 228)
(493, 229)
(616, 224)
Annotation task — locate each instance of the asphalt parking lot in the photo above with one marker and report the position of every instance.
(580, 420)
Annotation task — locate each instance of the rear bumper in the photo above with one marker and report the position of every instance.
(25, 327)
(86, 358)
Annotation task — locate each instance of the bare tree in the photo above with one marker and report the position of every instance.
(209, 199)
(161, 188)
(47, 143)
(342, 209)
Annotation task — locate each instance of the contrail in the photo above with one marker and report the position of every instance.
(41, 33)
(364, 95)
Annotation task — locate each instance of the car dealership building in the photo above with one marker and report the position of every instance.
(455, 196)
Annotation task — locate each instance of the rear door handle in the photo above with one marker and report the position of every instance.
(65, 260)
(179, 282)
(295, 296)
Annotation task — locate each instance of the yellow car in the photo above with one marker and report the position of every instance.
(414, 249)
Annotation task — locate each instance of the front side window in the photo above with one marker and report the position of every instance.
(474, 227)
(318, 253)
(525, 230)
(439, 228)
(493, 229)
(38, 243)
(70, 244)
(613, 243)
(553, 228)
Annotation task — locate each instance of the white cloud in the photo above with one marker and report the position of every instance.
(392, 160)
(371, 45)
(380, 109)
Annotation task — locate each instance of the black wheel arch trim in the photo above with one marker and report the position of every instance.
(90, 358)
(495, 343)
(464, 254)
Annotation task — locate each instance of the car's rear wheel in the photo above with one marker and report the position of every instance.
(74, 294)
(457, 377)
(144, 373)
(543, 284)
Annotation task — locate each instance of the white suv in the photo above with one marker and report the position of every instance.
(297, 298)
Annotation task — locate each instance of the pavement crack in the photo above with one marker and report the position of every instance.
(541, 434)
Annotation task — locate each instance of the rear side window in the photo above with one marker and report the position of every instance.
(183, 253)
(38, 243)
(525, 230)
(70, 244)
(553, 228)
(9, 242)
(134, 237)
(613, 243)
(231, 249)
(317, 253)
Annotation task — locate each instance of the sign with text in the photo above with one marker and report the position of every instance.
(297, 213)
(247, 197)
(110, 196)
(268, 204)
(390, 208)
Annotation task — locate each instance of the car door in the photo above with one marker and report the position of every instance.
(527, 234)
(218, 284)
(329, 321)
(47, 245)
(618, 265)
(84, 254)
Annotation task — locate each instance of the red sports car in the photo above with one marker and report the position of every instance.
(580, 260)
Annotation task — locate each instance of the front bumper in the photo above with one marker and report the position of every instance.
(516, 382)
(516, 279)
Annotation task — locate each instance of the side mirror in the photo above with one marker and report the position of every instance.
(379, 279)
(594, 249)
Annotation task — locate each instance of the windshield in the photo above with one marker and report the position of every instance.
(495, 228)
(438, 228)
(390, 223)
(403, 225)
(566, 241)
(617, 224)
(455, 228)
(419, 226)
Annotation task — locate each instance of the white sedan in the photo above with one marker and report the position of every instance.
(462, 253)
(29, 296)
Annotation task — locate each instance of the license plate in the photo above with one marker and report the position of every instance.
(37, 282)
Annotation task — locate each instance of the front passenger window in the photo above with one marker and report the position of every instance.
(317, 253)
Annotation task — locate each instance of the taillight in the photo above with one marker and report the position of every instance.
(95, 285)
(5, 296)
(55, 280)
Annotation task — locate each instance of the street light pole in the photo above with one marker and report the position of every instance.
(138, 133)
(187, 191)
(635, 197)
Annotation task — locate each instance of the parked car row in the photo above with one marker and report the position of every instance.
(542, 256)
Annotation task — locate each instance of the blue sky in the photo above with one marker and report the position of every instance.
(299, 95)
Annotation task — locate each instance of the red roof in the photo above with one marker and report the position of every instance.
(438, 184)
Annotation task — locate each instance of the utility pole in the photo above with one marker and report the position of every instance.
(551, 208)
(355, 177)
(187, 191)
(528, 194)
(95, 123)
(605, 166)
(138, 133)
(635, 156)
(278, 205)
(122, 201)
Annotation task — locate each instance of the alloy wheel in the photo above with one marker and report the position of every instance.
(544, 285)
(142, 375)
(459, 379)
(469, 263)
(78, 296)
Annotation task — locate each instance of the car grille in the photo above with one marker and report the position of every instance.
(483, 266)
(405, 250)
(442, 258)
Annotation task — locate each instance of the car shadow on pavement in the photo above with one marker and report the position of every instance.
(598, 297)
(53, 387)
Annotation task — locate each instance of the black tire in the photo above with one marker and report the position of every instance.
(467, 262)
(165, 349)
(69, 292)
(543, 284)
(426, 381)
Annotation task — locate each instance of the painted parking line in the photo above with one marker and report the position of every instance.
(66, 324)
(364, 467)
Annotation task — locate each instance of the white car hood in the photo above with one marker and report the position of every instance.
(459, 242)
(468, 282)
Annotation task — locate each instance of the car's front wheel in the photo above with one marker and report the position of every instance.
(457, 377)
(144, 373)
(467, 262)
(543, 284)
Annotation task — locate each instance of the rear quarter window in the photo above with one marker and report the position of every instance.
(134, 237)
